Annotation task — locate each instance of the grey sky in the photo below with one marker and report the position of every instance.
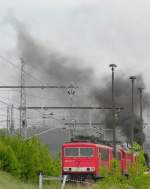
(99, 32)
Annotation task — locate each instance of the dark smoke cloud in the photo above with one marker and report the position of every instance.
(122, 92)
(53, 68)
(59, 67)
(123, 99)
(62, 69)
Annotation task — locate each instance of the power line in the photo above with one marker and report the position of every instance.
(40, 97)
(25, 72)
(84, 124)
(18, 68)
(37, 87)
(43, 132)
(28, 95)
(3, 102)
(8, 103)
(7, 98)
(73, 107)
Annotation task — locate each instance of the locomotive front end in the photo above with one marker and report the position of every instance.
(78, 160)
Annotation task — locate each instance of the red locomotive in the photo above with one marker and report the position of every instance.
(85, 159)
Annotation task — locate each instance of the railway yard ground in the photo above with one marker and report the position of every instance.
(9, 182)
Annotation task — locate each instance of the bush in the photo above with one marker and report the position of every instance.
(140, 182)
(8, 160)
(137, 180)
(31, 157)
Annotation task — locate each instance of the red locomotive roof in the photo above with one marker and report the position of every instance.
(85, 144)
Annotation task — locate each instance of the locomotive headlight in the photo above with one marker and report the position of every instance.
(92, 169)
(65, 169)
(79, 169)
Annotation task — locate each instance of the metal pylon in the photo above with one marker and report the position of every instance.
(71, 91)
(8, 120)
(12, 129)
(23, 120)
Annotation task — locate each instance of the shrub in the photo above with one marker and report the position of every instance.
(137, 180)
(32, 157)
(8, 160)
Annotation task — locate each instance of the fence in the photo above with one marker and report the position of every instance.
(73, 184)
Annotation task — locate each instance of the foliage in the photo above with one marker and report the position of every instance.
(104, 172)
(3, 132)
(28, 157)
(137, 179)
(118, 181)
(140, 182)
(8, 160)
(138, 167)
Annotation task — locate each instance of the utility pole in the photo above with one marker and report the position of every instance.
(12, 120)
(90, 118)
(8, 121)
(113, 66)
(71, 92)
(140, 89)
(132, 78)
(23, 120)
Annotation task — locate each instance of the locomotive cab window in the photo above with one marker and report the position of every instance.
(104, 154)
(86, 152)
(71, 152)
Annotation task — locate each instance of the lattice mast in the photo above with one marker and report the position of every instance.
(12, 128)
(8, 120)
(23, 119)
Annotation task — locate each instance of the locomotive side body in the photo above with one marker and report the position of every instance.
(126, 160)
(105, 157)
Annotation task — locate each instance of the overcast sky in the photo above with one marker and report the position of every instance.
(100, 32)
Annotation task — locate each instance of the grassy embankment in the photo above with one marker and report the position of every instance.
(142, 182)
(9, 182)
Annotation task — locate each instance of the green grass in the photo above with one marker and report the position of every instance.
(9, 182)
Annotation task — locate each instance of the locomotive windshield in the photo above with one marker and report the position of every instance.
(78, 152)
(86, 152)
(71, 152)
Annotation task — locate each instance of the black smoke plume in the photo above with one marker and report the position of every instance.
(55, 67)
(123, 99)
